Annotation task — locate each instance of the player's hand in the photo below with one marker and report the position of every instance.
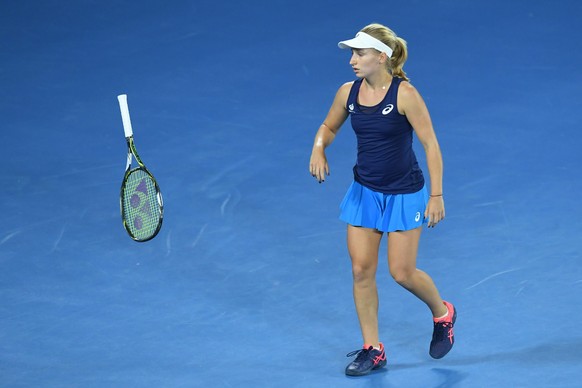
(435, 211)
(318, 167)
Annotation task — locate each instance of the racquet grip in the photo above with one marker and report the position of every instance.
(122, 98)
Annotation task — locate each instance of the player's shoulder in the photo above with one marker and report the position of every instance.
(347, 86)
(344, 90)
(406, 88)
(407, 93)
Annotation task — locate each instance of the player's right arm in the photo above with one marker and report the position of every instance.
(336, 116)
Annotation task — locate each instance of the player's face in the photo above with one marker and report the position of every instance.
(365, 62)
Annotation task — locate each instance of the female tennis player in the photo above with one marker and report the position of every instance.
(388, 194)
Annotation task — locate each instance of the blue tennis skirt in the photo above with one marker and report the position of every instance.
(384, 212)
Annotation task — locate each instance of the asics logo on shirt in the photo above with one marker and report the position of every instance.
(388, 109)
(351, 108)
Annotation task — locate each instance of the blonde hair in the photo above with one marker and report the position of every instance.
(397, 44)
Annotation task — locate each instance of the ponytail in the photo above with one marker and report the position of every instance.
(398, 58)
(398, 45)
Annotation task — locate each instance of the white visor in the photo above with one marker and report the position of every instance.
(363, 40)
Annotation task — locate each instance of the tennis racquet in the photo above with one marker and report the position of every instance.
(142, 207)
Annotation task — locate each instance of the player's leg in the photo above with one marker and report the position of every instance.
(363, 245)
(402, 251)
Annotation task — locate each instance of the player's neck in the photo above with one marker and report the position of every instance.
(379, 82)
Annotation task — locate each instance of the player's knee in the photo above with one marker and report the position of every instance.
(363, 273)
(401, 275)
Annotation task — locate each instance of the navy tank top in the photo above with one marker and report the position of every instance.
(386, 161)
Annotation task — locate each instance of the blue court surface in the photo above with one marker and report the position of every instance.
(248, 283)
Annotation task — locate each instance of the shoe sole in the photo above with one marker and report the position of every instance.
(379, 366)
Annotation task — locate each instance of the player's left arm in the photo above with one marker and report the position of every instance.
(411, 104)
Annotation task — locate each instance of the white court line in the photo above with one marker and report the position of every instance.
(199, 235)
(491, 277)
(168, 243)
(9, 236)
(56, 244)
(224, 203)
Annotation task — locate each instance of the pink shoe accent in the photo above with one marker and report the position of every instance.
(367, 346)
(448, 319)
(449, 316)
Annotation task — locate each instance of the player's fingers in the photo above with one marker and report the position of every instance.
(321, 175)
(436, 217)
(433, 219)
(428, 215)
(313, 170)
(315, 173)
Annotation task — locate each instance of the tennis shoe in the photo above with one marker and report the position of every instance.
(443, 337)
(367, 360)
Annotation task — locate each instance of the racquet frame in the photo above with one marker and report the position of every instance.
(132, 152)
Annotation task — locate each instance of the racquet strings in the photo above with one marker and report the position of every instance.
(140, 205)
